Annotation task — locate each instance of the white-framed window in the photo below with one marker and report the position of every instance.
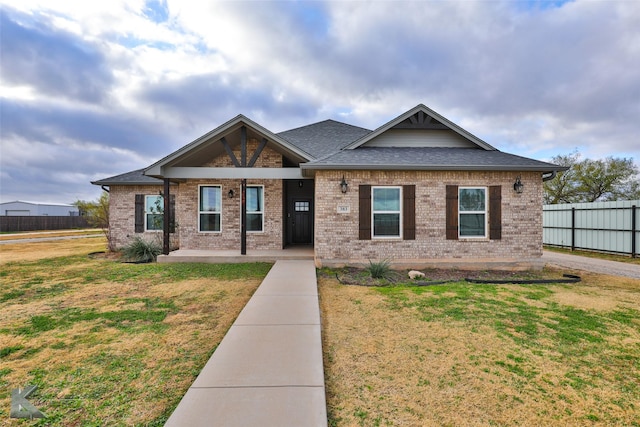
(153, 213)
(255, 208)
(210, 209)
(386, 212)
(472, 211)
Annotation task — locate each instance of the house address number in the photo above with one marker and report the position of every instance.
(344, 209)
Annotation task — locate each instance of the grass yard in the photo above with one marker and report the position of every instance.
(109, 343)
(483, 355)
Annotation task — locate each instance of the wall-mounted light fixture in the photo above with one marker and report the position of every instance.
(518, 186)
(343, 185)
(230, 194)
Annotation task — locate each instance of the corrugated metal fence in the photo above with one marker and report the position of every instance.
(32, 223)
(602, 226)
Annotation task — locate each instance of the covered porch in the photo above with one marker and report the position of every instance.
(231, 256)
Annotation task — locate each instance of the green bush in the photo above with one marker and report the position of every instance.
(380, 269)
(140, 250)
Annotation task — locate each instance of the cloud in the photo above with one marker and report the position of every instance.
(104, 88)
(53, 62)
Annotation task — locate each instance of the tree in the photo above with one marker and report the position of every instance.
(97, 213)
(593, 180)
(563, 188)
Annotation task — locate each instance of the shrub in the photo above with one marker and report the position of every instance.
(140, 250)
(380, 269)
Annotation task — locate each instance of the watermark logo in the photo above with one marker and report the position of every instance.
(21, 407)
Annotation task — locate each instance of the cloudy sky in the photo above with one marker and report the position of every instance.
(93, 89)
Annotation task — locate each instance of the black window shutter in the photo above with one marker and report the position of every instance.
(139, 214)
(409, 212)
(365, 212)
(452, 212)
(172, 214)
(495, 212)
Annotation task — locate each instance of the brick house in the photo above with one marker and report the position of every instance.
(418, 191)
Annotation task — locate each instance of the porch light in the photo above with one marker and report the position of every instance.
(518, 186)
(343, 185)
(230, 194)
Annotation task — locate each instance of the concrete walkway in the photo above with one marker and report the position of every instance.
(267, 371)
(595, 265)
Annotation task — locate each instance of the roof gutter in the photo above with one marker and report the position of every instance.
(543, 169)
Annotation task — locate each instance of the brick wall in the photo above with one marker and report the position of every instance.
(229, 237)
(187, 236)
(122, 202)
(336, 234)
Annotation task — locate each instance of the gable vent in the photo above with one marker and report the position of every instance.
(420, 120)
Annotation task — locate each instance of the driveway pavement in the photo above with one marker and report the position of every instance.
(595, 265)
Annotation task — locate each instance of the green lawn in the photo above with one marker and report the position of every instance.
(109, 343)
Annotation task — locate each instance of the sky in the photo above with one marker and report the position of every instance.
(89, 89)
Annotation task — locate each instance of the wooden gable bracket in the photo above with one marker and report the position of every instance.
(243, 150)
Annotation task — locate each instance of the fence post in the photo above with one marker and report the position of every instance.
(573, 229)
(633, 231)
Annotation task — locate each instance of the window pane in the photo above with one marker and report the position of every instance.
(154, 204)
(155, 221)
(386, 199)
(210, 199)
(472, 225)
(254, 199)
(472, 199)
(386, 224)
(254, 222)
(209, 222)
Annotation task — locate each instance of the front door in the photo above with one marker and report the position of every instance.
(302, 221)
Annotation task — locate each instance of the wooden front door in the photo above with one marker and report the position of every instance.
(302, 221)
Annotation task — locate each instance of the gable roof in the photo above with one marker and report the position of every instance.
(214, 136)
(335, 145)
(324, 138)
(416, 116)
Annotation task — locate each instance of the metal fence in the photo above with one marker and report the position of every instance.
(32, 223)
(610, 227)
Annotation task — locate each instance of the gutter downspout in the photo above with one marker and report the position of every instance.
(104, 189)
(549, 175)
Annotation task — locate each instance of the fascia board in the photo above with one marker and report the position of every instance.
(420, 107)
(311, 167)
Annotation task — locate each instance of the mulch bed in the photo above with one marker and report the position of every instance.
(361, 277)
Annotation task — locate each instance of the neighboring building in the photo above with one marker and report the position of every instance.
(417, 191)
(22, 208)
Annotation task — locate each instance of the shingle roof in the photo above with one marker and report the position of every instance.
(427, 158)
(323, 138)
(130, 178)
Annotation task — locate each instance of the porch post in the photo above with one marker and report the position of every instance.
(243, 219)
(166, 218)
